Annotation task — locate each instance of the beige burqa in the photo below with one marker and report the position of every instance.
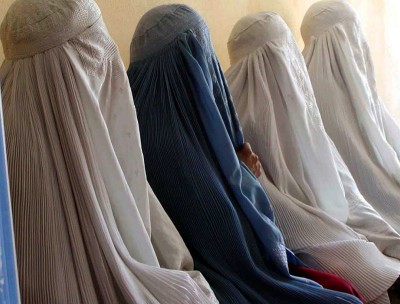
(321, 213)
(342, 75)
(88, 228)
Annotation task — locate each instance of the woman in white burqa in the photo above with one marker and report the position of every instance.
(88, 228)
(321, 213)
(342, 74)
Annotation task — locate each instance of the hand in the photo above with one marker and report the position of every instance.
(250, 159)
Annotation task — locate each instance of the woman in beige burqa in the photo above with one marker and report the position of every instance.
(341, 70)
(88, 228)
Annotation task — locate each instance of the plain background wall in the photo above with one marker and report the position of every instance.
(381, 20)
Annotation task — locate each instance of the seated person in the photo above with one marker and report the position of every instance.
(189, 132)
(318, 207)
(88, 229)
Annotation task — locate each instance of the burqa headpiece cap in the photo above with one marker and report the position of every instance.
(32, 27)
(252, 32)
(160, 26)
(322, 15)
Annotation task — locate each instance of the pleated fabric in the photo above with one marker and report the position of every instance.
(9, 292)
(189, 131)
(342, 75)
(277, 110)
(87, 226)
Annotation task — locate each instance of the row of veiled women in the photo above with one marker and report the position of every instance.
(320, 225)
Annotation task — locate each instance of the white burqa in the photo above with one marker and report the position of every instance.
(318, 207)
(342, 75)
(88, 228)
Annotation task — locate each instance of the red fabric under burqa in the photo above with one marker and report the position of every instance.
(327, 280)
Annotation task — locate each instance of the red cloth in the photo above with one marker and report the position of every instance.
(327, 280)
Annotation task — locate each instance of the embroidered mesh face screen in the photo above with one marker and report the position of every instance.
(88, 228)
(341, 72)
(280, 118)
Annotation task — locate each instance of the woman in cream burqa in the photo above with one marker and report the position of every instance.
(88, 229)
(321, 213)
(189, 133)
(341, 72)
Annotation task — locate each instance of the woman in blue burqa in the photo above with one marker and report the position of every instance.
(190, 137)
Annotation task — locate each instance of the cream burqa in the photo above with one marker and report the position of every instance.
(341, 71)
(318, 207)
(87, 226)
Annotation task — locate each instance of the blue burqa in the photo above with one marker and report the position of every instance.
(189, 132)
(8, 274)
